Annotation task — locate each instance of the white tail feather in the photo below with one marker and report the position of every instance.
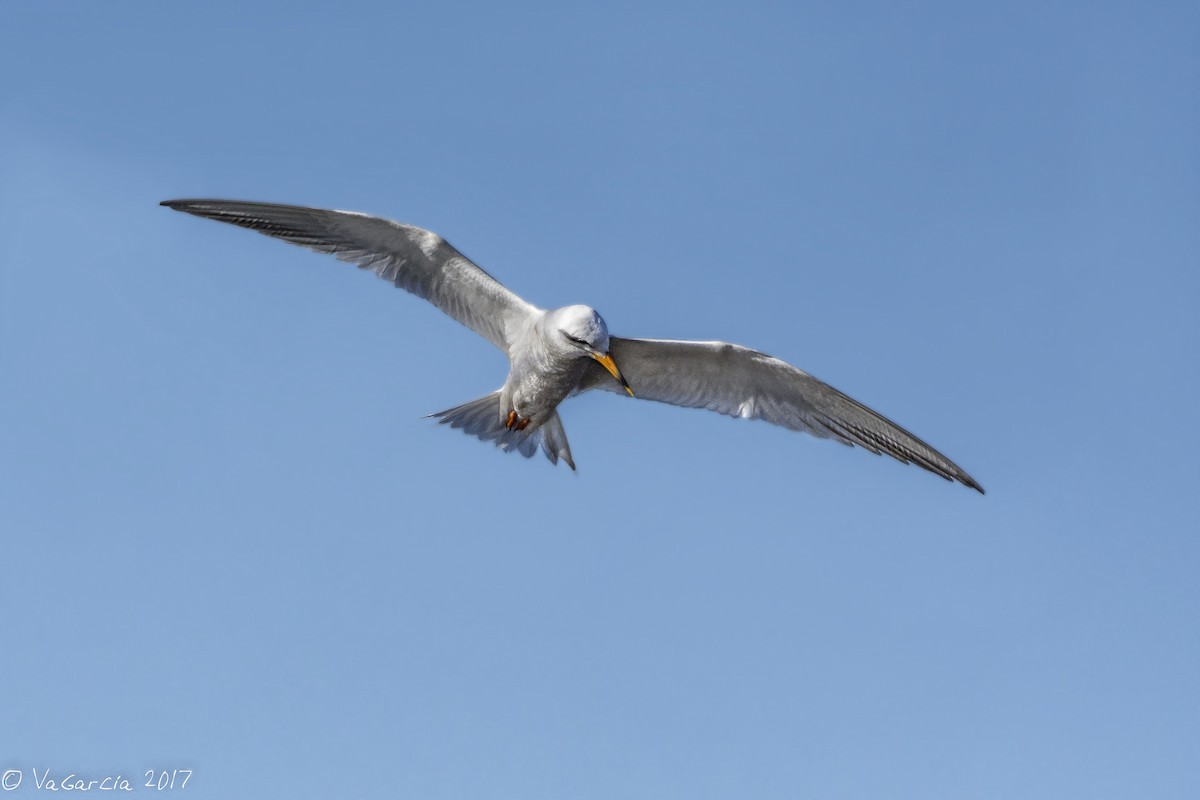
(482, 418)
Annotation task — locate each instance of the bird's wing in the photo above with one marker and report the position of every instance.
(414, 259)
(744, 383)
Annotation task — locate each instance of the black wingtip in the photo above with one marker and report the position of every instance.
(185, 204)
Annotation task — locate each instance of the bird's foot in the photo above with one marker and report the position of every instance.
(515, 423)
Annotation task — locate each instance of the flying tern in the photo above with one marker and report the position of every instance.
(556, 354)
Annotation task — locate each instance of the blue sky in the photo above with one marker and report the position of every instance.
(232, 544)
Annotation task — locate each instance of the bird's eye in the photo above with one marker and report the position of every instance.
(572, 338)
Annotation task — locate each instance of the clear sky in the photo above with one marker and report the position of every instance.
(232, 544)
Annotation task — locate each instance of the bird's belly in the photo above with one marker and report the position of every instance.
(537, 395)
(538, 406)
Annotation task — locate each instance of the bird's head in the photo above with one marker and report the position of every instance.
(583, 331)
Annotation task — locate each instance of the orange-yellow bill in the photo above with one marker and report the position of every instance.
(607, 362)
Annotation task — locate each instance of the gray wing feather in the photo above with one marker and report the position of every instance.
(414, 259)
(740, 382)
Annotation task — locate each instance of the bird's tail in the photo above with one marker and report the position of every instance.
(482, 418)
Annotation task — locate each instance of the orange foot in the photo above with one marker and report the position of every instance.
(515, 423)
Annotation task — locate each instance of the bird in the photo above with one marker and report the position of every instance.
(558, 353)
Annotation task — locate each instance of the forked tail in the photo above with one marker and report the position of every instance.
(482, 418)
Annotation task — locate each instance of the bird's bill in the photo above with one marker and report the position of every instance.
(607, 362)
